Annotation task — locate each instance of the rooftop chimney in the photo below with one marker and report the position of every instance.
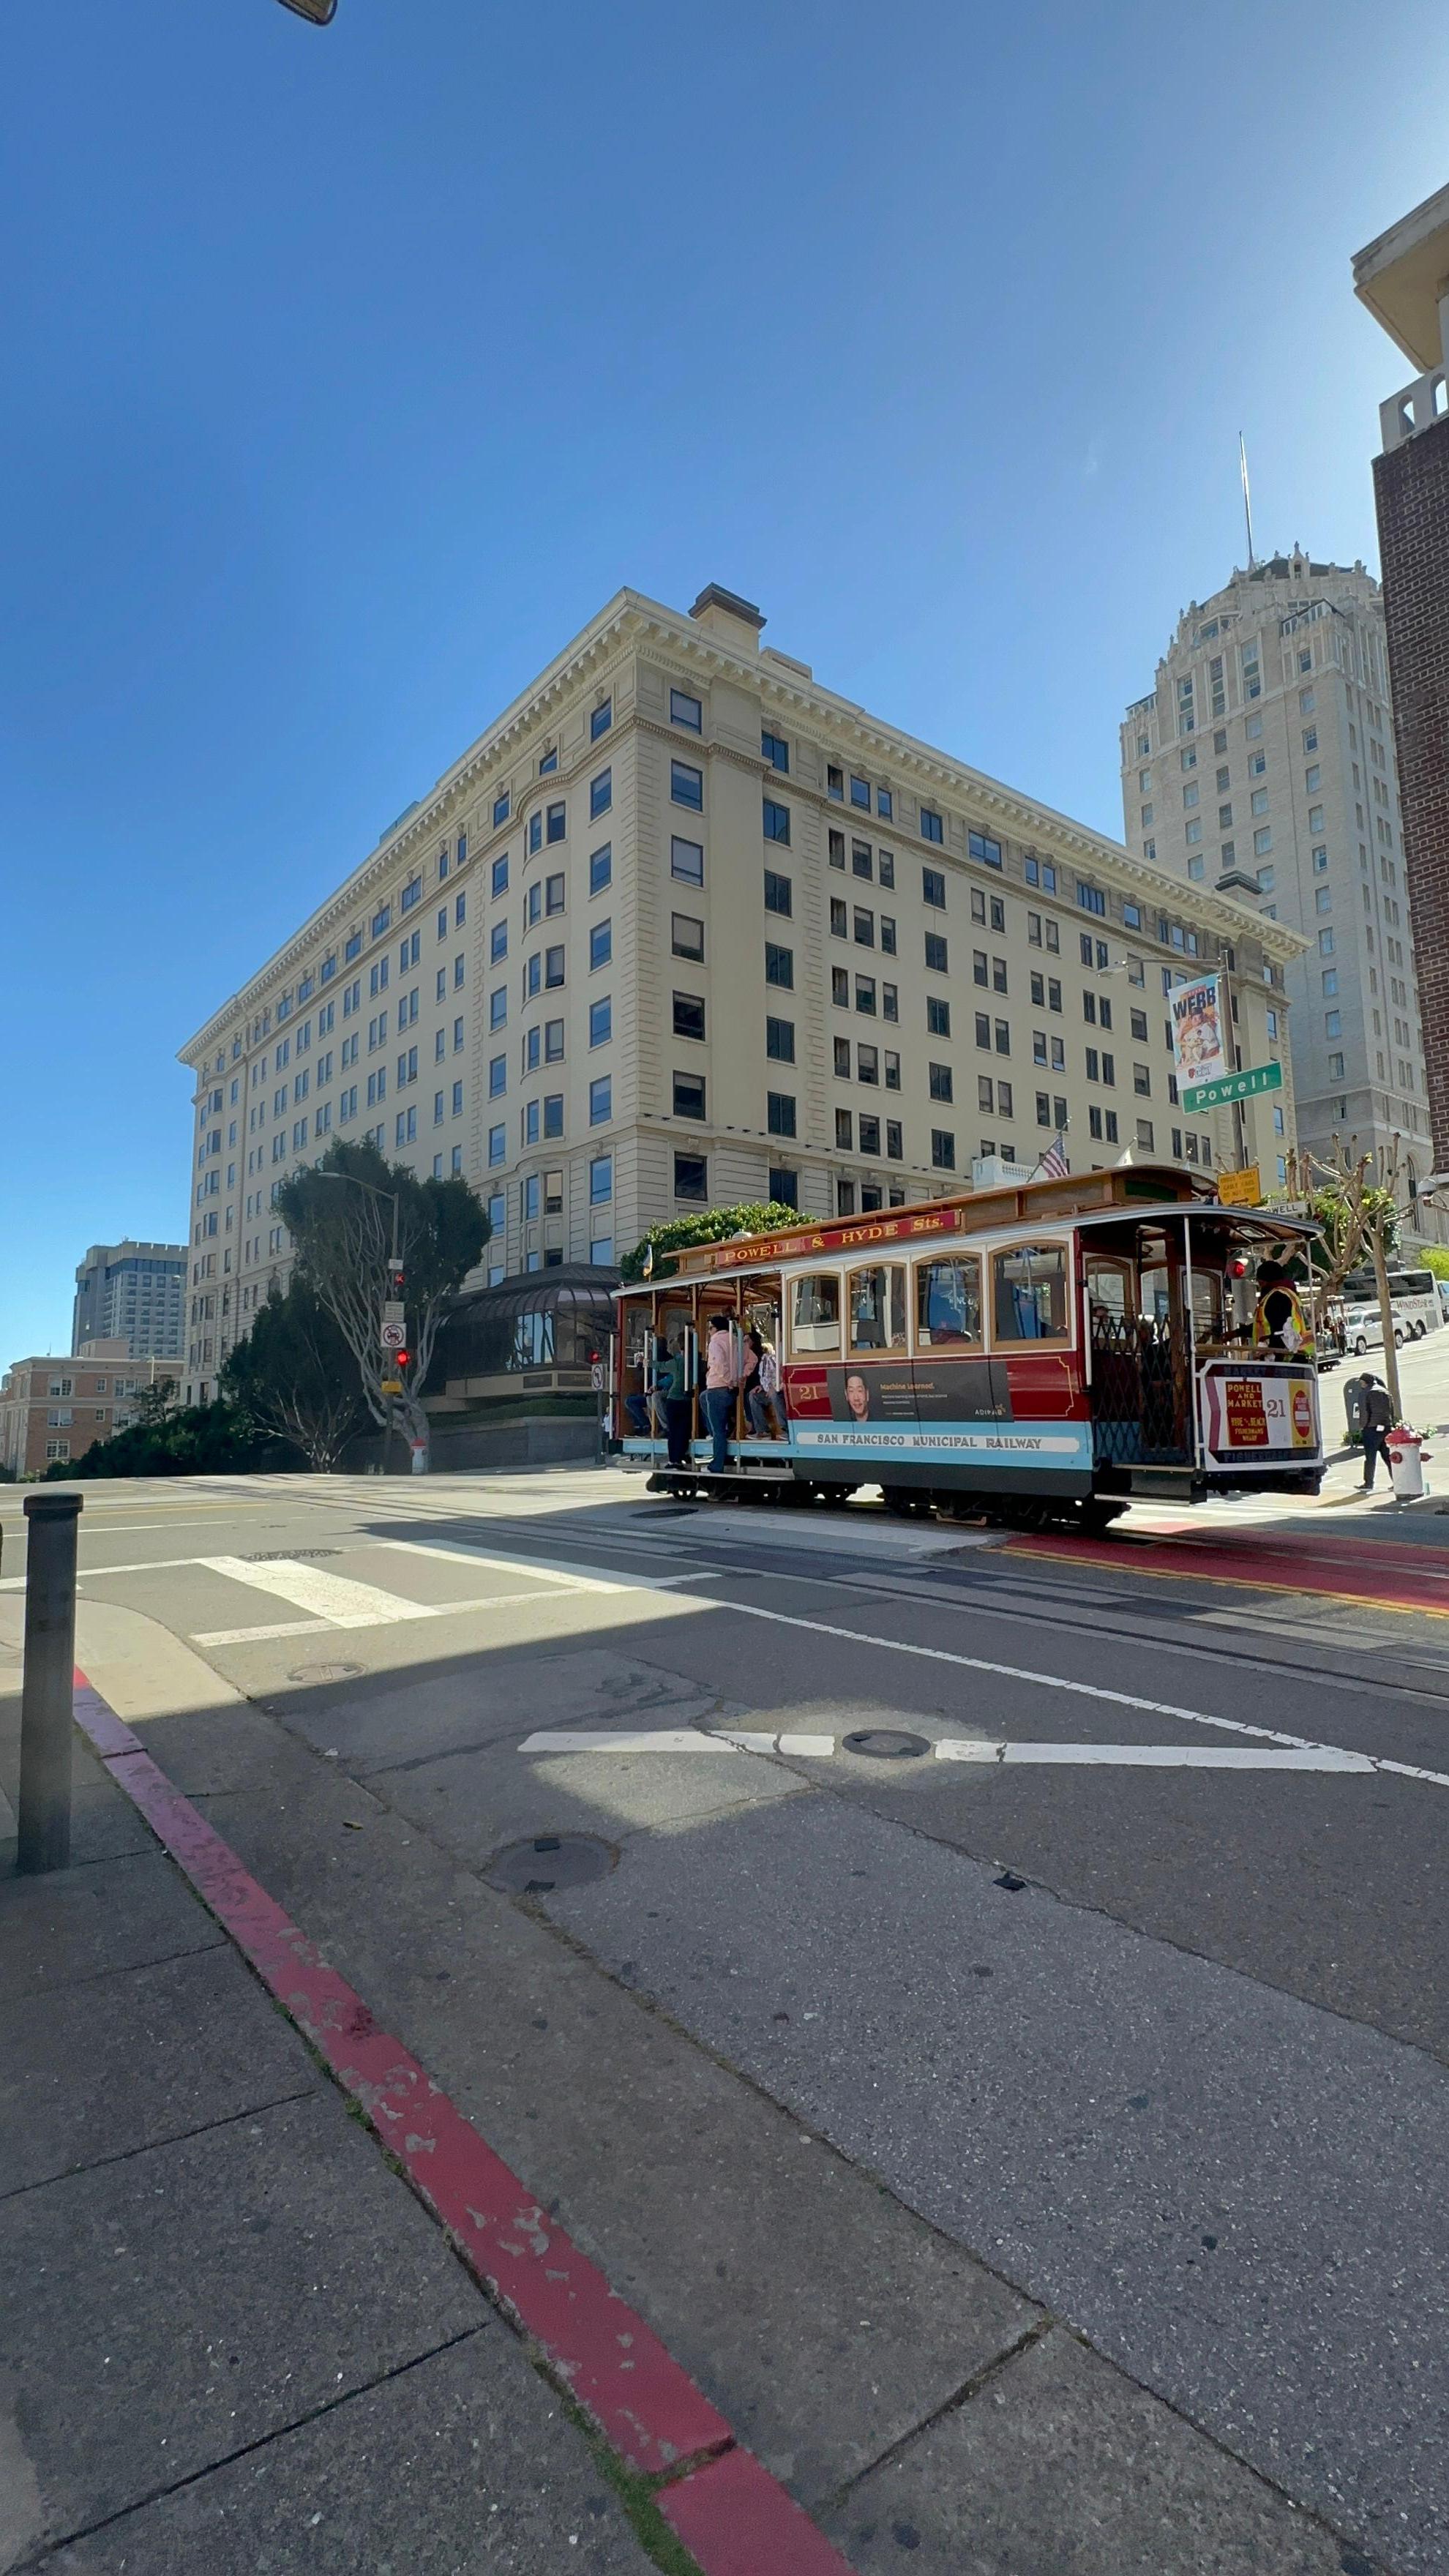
(734, 620)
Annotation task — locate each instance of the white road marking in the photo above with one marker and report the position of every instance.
(88, 1573)
(579, 1578)
(1162, 1757)
(385, 1619)
(1153, 1757)
(333, 1597)
(674, 1739)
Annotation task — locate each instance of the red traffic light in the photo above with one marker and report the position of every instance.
(1238, 1267)
(400, 1359)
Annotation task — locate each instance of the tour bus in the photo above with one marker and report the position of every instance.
(1039, 1351)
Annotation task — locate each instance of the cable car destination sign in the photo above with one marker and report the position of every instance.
(1203, 1050)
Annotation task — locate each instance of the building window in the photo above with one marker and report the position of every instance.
(691, 1176)
(601, 719)
(780, 1113)
(933, 889)
(686, 861)
(601, 1100)
(779, 965)
(938, 1016)
(685, 710)
(686, 785)
(601, 794)
(776, 752)
(983, 848)
(601, 1021)
(689, 1095)
(780, 1041)
(688, 1015)
(932, 828)
(601, 944)
(784, 1186)
(777, 893)
(1090, 897)
(943, 1149)
(687, 936)
(777, 821)
(601, 868)
(940, 1082)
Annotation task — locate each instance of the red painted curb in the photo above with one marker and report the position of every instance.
(737, 2522)
(647, 2407)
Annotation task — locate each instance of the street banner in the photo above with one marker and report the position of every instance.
(1201, 1047)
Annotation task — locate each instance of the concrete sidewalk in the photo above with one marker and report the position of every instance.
(295, 2340)
(231, 2337)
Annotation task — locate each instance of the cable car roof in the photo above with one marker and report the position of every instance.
(1124, 1193)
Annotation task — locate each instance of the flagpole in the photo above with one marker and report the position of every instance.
(1247, 497)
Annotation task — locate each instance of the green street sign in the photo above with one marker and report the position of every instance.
(1233, 1086)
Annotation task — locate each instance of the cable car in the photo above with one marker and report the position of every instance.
(1037, 1352)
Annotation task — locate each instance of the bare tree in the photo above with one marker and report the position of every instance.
(1366, 1188)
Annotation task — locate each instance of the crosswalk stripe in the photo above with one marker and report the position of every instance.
(332, 1597)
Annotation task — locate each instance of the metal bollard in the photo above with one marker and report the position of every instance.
(46, 1699)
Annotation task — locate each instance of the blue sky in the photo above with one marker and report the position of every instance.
(349, 371)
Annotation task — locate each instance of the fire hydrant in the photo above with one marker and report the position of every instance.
(1407, 1455)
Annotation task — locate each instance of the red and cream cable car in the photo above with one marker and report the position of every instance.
(1040, 1351)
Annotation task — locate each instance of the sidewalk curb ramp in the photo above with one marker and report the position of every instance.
(725, 2507)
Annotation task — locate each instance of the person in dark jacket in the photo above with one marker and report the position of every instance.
(1378, 1422)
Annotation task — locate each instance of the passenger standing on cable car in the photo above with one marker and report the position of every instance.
(721, 1376)
(1278, 1324)
(677, 1406)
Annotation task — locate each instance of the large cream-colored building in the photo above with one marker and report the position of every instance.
(684, 927)
(1262, 763)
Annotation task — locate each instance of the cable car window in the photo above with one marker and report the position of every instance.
(815, 1313)
(948, 1304)
(1029, 1293)
(878, 1308)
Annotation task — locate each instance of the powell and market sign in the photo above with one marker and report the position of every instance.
(1233, 1086)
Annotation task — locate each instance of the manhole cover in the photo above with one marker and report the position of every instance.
(324, 1672)
(886, 1744)
(549, 1861)
(288, 1555)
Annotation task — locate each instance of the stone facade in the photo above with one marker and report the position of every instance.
(1263, 763)
(685, 927)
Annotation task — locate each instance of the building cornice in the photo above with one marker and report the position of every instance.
(631, 617)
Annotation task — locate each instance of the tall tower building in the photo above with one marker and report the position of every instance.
(1403, 278)
(1262, 764)
(132, 1293)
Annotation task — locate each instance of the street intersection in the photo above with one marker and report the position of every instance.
(1081, 1919)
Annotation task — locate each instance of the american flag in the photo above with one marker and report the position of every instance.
(1054, 1165)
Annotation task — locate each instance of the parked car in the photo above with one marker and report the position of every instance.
(1363, 1330)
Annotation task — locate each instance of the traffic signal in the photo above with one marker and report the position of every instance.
(400, 1360)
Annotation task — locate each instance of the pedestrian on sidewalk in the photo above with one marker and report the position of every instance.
(1378, 1422)
(721, 1377)
(1355, 1397)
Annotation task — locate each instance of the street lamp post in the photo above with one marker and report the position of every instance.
(389, 1197)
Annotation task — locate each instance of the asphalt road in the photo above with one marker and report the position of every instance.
(1136, 1989)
